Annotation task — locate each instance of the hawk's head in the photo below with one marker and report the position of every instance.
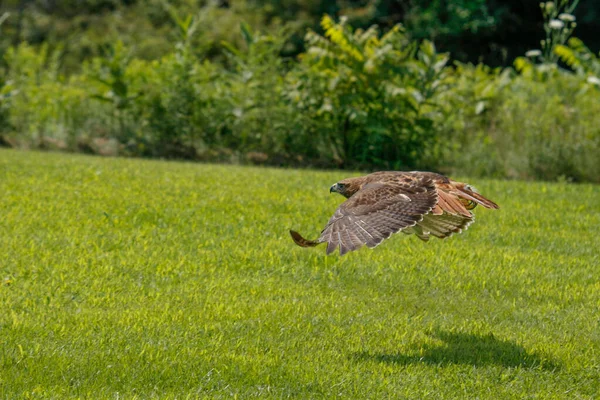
(347, 187)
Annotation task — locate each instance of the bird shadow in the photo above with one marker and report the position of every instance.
(453, 348)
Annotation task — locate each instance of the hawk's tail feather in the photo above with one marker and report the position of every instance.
(477, 198)
(300, 241)
(471, 197)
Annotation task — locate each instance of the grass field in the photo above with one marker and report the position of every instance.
(125, 279)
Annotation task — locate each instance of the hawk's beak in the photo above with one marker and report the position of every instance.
(333, 188)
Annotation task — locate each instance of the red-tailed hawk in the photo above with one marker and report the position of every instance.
(379, 204)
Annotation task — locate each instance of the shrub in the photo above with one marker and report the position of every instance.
(43, 108)
(541, 124)
(370, 98)
(249, 101)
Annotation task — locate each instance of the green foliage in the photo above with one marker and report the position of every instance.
(127, 278)
(110, 72)
(578, 57)
(432, 19)
(470, 109)
(561, 141)
(355, 99)
(532, 129)
(471, 30)
(147, 28)
(43, 108)
(250, 104)
(370, 97)
(171, 105)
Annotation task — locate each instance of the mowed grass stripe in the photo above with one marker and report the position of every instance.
(147, 279)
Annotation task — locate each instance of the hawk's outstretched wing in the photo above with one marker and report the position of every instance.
(374, 212)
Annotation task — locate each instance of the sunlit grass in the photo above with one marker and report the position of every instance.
(143, 279)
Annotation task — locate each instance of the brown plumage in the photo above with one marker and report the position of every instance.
(382, 203)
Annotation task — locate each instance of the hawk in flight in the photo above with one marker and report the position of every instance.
(379, 204)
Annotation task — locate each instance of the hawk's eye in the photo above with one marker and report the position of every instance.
(341, 185)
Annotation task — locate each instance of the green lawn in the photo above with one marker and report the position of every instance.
(124, 278)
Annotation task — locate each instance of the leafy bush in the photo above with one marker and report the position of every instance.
(44, 108)
(578, 57)
(532, 129)
(249, 99)
(370, 98)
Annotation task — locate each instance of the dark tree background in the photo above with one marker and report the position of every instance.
(493, 32)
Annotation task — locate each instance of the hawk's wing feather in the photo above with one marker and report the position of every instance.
(450, 203)
(454, 195)
(451, 214)
(376, 212)
(468, 192)
(441, 226)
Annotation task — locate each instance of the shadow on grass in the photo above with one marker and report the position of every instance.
(466, 349)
